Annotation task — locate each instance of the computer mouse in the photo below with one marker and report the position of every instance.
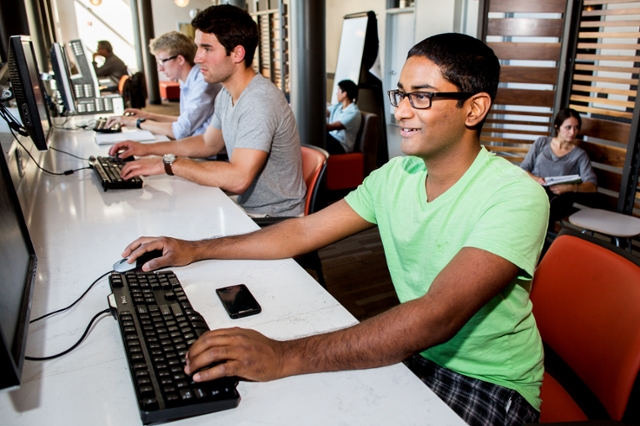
(122, 265)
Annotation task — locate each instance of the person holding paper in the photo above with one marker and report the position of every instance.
(560, 156)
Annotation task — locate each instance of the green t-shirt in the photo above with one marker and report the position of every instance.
(495, 207)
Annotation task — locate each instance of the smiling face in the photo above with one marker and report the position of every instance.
(215, 65)
(434, 131)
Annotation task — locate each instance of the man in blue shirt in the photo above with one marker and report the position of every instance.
(344, 119)
(175, 54)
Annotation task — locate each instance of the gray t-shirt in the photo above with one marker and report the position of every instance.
(542, 162)
(263, 120)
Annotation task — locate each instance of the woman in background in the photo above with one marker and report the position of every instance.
(560, 156)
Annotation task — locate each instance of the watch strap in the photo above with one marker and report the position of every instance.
(167, 166)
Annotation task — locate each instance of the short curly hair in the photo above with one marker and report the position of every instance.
(232, 27)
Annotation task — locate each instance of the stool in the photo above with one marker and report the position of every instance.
(170, 90)
(613, 224)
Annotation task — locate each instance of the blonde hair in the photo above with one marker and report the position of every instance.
(174, 43)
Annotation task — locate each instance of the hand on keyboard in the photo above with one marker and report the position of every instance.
(148, 166)
(129, 148)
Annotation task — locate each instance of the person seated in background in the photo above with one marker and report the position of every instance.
(251, 119)
(560, 155)
(343, 119)
(175, 54)
(462, 230)
(113, 67)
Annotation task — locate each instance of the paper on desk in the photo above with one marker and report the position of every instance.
(556, 180)
(135, 135)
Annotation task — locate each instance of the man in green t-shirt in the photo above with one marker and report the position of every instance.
(462, 230)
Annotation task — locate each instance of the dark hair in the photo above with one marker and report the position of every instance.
(562, 115)
(350, 88)
(464, 61)
(232, 27)
(104, 44)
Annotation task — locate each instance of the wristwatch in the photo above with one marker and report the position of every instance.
(168, 160)
(139, 121)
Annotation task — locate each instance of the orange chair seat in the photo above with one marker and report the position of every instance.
(557, 404)
(170, 90)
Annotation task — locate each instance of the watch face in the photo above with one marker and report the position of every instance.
(169, 158)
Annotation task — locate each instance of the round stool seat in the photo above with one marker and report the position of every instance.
(607, 222)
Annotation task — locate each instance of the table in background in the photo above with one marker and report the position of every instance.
(79, 231)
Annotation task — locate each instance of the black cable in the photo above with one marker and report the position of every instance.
(71, 305)
(14, 125)
(86, 331)
(68, 153)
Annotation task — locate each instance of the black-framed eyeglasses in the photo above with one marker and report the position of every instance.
(162, 61)
(422, 100)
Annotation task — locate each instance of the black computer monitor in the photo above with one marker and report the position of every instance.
(62, 76)
(17, 276)
(29, 91)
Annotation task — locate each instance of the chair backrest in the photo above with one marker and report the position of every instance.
(314, 162)
(367, 141)
(586, 302)
(121, 84)
(138, 90)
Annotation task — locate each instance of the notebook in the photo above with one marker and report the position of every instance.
(557, 180)
(134, 135)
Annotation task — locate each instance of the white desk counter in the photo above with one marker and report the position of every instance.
(79, 231)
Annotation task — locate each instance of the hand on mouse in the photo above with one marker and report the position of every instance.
(174, 252)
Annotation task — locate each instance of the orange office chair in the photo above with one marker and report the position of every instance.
(347, 171)
(586, 302)
(314, 163)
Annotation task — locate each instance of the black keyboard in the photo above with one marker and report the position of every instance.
(108, 170)
(158, 324)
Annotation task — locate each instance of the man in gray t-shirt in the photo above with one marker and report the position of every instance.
(262, 120)
(252, 119)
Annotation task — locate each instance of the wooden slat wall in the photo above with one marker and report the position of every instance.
(521, 114)
(604, 86)
(267, 60)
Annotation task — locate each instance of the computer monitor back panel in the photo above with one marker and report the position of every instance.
(29, 91)
(17, 276)
(85, 82)
(60, 65)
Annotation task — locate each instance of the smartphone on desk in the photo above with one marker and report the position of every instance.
(238, 301)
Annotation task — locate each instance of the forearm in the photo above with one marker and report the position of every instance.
(161, 118)
(586, 187)
(379, 341)
(192, 146)
(335, 126)
(158, 128)
(286, 239)
(221, 174)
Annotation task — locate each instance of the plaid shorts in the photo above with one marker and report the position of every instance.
(479, 403)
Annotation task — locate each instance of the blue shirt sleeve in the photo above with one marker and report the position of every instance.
(197, 109)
